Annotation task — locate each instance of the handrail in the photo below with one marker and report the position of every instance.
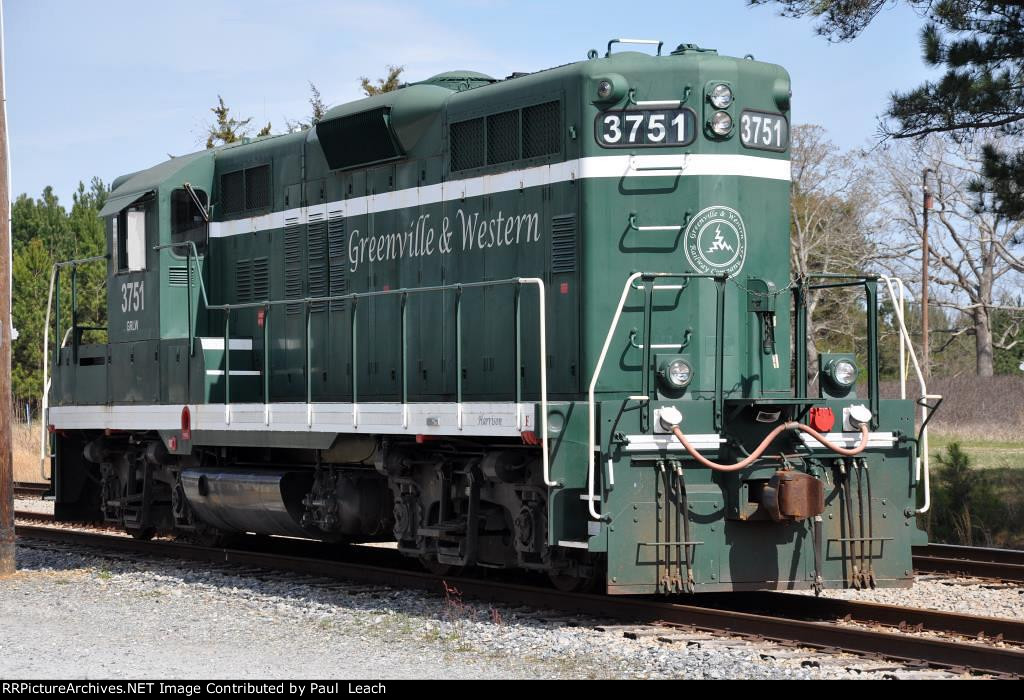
(404, 292)
(923, 460)
(44, 453)
(591, 408)
(870, 284)
(636, 227)
(652, 42)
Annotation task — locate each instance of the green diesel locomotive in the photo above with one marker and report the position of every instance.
(543, 323)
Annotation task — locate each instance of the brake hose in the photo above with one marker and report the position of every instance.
(791, 425)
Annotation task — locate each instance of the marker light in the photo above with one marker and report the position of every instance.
(604, 89)
(721, 96)
(721, 123)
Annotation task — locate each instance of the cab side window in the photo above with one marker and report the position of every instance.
(130, 234)
(187, 220)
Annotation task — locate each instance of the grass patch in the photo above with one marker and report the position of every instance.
(973, 504)
(25, 449)
(985, 454)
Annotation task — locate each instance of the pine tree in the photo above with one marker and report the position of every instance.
(45, 233)
(979, 44)
(316, 104)
(386, 84)
(317, 111)
(225, 128)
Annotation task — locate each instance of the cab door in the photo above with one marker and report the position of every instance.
(133, 295)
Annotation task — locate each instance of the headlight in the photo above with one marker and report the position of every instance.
(678, 373)
(721, 123)
(843, 372)
(721, 96)
(604, 89)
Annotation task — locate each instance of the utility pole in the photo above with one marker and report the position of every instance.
(925, 254)
(7, 564)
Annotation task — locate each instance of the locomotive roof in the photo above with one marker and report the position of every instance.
(410, 109)
(128, 188)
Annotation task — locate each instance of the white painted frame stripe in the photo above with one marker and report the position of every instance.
(850, 440)
(668, 443)
(612, 166)
(506, 419)
(217, 343)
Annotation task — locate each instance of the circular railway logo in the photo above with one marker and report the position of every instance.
(716, 241)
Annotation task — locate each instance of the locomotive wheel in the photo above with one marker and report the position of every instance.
(146, 533)
(435, 567)
(571, 583)
(212, 537)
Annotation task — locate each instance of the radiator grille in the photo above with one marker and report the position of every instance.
(293, 264)
(177, 276)
(467, 144)
(503, 137)
(316, 240)
(336, 257)
(232, 192)
(542, 129)
(260, 279)
(563, 243)
(257, 187)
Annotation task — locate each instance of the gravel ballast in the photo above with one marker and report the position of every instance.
(71, 614)
(967, 596)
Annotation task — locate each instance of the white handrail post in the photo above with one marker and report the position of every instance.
(542, 329)
(903, 344)
(923, 463)
(591, 446)
(45, 403)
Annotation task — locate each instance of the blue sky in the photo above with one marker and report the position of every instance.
(111, 87)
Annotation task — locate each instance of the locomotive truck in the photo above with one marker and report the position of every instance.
(544, 323)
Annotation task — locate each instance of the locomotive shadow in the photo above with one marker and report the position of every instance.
(749, 562)
(443, 603)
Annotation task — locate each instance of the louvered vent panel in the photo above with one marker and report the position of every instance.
(336, 257)
(232, 192)
(293, 264)
(243, 281)
(261, 279)
(563, 243)
(257, 187)
(316, 240)
(503, 137)
(467, 144)
(542, 129)
(177, 276)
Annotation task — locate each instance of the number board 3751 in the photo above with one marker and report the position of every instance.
(645, 127)
(764, 131)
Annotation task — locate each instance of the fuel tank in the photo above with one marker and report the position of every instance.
(264, 502)
(326, 504)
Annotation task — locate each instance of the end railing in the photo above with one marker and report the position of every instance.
(648, 279)
(44, 443)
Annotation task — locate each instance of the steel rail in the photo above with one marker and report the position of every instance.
(981, 562)
(939, 652)
(33, 515)
(868, 613)
(30, 488)
(957, 551)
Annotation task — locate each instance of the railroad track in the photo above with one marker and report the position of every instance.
(776, 617)
(975, 562)
(27, 489)
(980, 562)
